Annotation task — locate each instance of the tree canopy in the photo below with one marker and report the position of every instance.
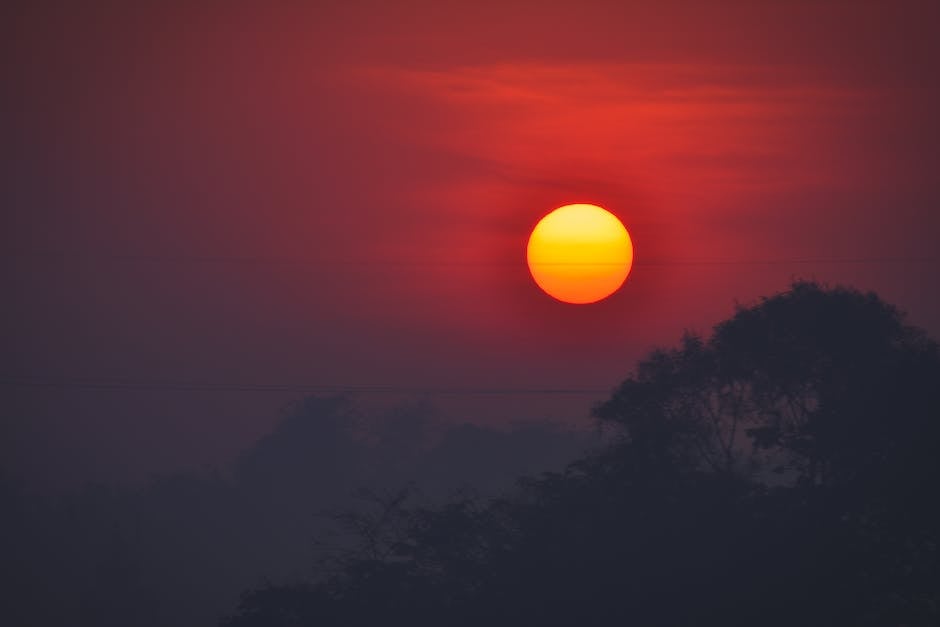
(781, 471)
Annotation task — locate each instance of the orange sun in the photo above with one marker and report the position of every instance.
(579, 253)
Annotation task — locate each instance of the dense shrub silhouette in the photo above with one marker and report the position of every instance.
(782, 471)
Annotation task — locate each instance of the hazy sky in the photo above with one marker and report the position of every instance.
(339, 195)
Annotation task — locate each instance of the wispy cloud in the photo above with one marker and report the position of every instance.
(673, 127)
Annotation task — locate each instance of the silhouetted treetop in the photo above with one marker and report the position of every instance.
(781, 472)
(813, 383)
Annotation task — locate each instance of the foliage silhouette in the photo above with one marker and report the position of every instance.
(781, 472)
(178, 550)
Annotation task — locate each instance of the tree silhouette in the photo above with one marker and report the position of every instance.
(779, 472)
(819, 384)
(179, 549)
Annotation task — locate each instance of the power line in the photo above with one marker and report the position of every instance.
(204, 386)
(757, 262)
(334, 261)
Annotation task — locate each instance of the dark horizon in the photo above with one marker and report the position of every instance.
(810, 413)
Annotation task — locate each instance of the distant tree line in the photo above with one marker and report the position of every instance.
(178, 550)
(783, 471)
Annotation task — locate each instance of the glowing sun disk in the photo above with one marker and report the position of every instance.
(579, 253)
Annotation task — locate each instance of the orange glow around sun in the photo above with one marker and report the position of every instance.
(580, 253)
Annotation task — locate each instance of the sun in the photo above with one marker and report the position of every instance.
(579, 253)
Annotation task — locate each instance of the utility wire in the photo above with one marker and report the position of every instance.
(333, 261)
(203, 386)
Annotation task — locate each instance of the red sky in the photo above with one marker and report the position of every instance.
(339, 194)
